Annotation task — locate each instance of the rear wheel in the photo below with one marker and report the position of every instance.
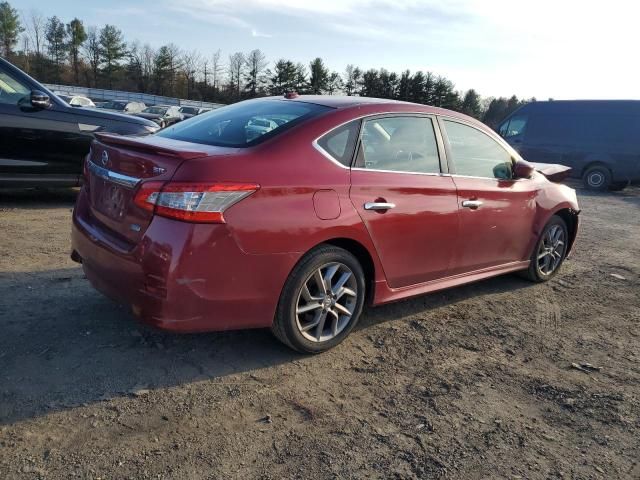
(597, 178)
(550, 251)
(321, 301)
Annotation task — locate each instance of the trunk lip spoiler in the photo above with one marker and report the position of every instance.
(142, 143)
(117, 178)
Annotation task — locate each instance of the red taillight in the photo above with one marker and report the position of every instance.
(192, 202)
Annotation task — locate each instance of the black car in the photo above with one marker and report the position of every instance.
(598, 139)
(163, 115)
(122, 106)
(188, 112)
(43, 140)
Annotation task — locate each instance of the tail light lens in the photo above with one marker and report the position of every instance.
(192, 202)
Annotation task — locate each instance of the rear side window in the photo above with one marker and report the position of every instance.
(476, 154)
(399, 144)
(243, 124)
(341, 142)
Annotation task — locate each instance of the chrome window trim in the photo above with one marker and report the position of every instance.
(400, 171)
(324, 152)
(328, 156)
(490, 178)
(117, 178)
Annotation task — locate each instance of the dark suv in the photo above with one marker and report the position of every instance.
(598, 139)
(43, 140)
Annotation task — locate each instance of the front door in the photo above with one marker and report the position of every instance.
(409, 208)
(37, 141)
(496, 211)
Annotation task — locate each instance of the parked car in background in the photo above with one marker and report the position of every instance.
(77, 100)
(213, 225)
(257, 127)
(163, 115)
(123, 106)
(43, 140)
(188, 112)
(598, 139)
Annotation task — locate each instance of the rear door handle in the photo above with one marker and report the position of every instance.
(472, 204)
(378, 206)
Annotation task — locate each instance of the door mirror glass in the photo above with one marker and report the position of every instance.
(40, 99)
(523, 169)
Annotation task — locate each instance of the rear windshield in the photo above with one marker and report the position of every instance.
(189, 110)
(243, 124)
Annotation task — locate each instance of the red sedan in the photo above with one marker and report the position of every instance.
(294, 212)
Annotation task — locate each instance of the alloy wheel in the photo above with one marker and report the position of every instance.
(552, 249)
(326, 302)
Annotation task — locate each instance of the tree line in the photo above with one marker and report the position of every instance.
(75, 54)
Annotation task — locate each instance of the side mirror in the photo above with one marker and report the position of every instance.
(523, 169)
(40, 99)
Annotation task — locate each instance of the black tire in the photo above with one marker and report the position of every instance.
(618, 186)
(597, 178)
(287, 326)
(535, 272)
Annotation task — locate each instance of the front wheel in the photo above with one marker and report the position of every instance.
(550, 251)
(321, 301)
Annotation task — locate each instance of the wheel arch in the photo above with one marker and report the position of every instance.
(595, 163)
(570, 217)
(363, 256)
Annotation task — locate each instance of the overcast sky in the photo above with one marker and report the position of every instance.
(543, 48)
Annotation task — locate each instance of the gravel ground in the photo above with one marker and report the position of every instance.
(473, 382)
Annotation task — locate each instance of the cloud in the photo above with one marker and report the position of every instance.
(255, 33)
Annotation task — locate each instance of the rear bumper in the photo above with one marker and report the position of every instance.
(184, 277)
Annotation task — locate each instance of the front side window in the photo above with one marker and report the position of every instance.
(514, 127)
(341, 142)
(244, 124)
(11, 90)
(400, 144)
(475, 154)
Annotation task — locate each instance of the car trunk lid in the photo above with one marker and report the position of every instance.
(116, 168)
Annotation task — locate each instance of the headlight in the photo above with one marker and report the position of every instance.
(151, 129)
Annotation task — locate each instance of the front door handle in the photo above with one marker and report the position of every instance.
(378, 206)
(472, 204)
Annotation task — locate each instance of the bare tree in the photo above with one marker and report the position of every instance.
(92, 53)
(189, 68)
(237, 64)
(36, 24)
(216, 70)
(148, 57)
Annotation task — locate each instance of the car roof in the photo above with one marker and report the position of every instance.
(343, 101)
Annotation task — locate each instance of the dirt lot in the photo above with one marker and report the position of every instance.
(474, 382)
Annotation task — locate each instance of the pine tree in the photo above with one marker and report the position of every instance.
(10, 28)
(112, 50)
(77, 36)
(319, 78)
(56, 36)
(471, 103)
(256, 65)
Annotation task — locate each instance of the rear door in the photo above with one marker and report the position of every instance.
(408, 206)
(496, 211)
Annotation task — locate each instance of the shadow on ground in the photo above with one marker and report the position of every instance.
(64, 345)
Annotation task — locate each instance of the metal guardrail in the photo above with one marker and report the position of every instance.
(100, 94)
